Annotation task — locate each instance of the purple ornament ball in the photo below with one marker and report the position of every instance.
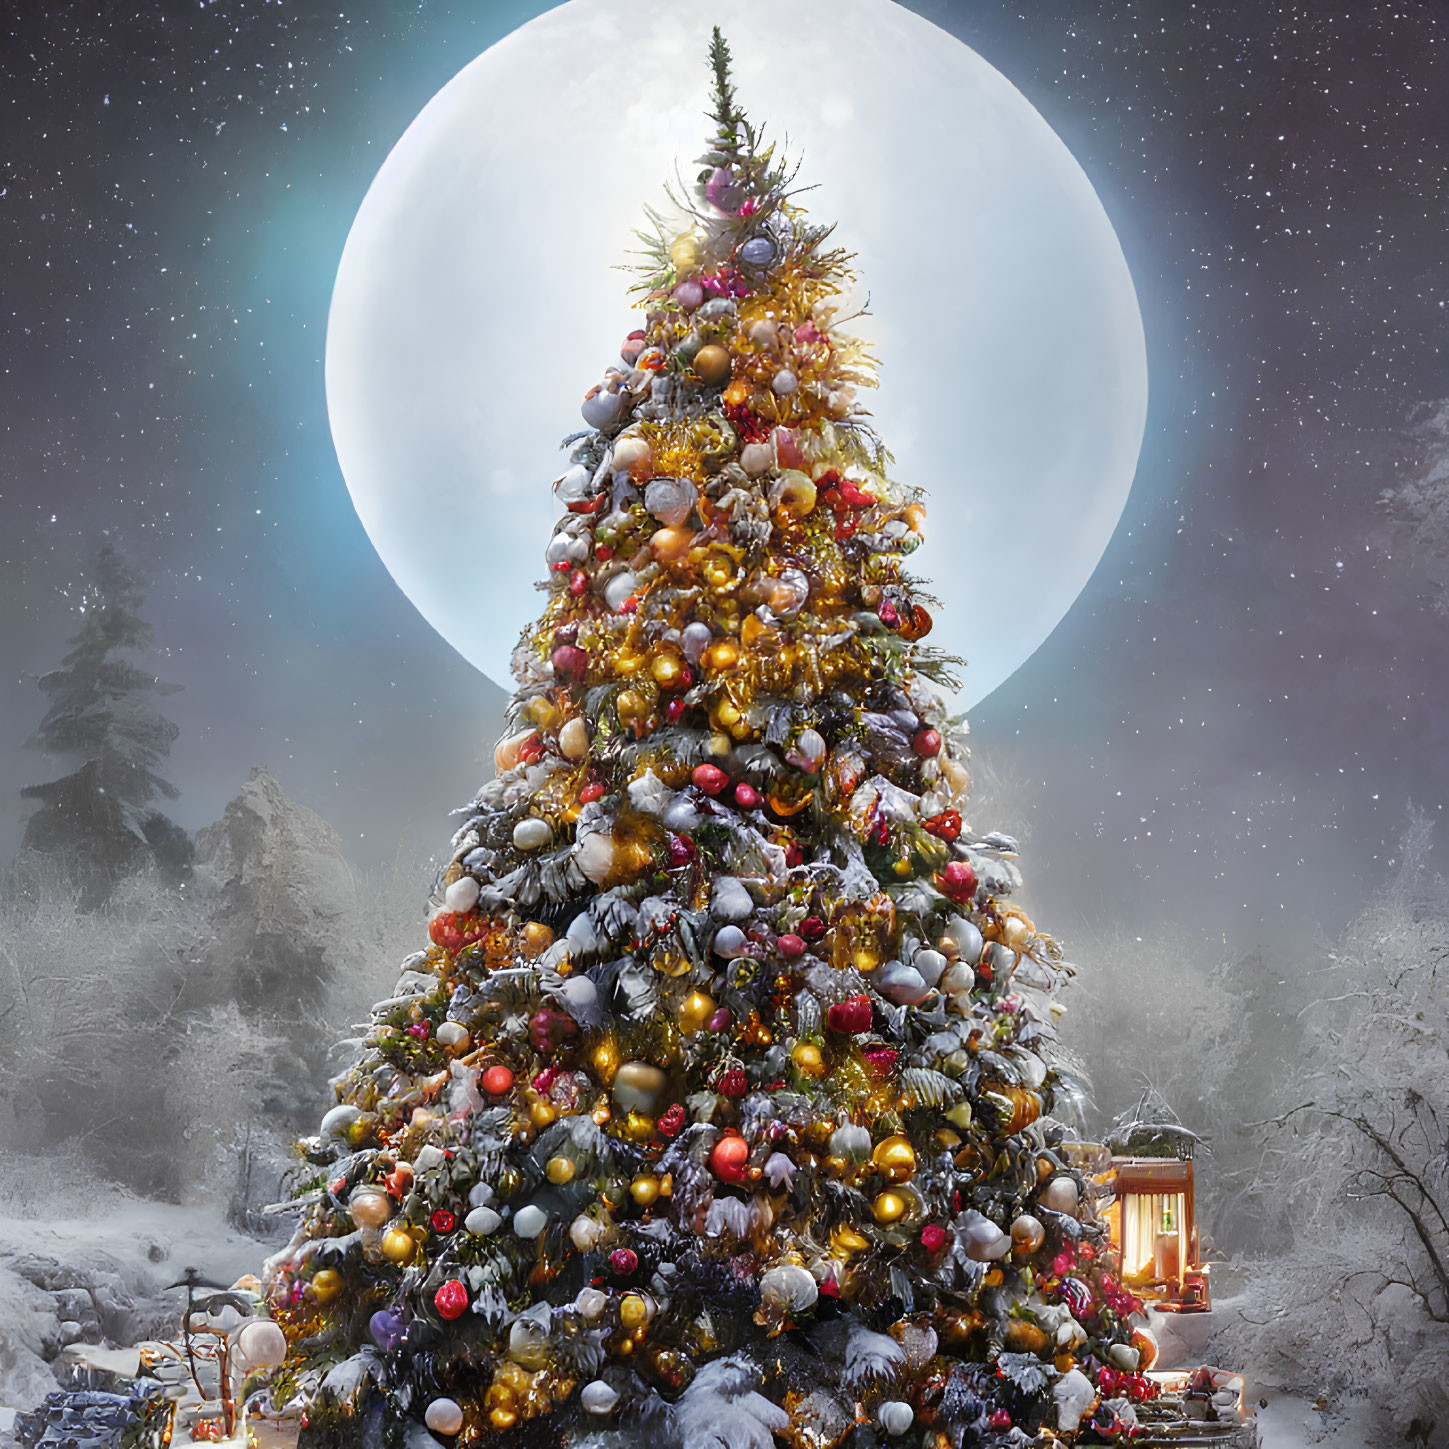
(387, 1329)
(689, 295)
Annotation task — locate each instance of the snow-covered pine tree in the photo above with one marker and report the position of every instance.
(101, 817)
(716, 1113)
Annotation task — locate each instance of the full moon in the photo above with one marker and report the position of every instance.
(479, 297)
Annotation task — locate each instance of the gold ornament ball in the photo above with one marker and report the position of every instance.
(632, 705)
(370, 1208)
(667, 669)
(537, 938)
(719, 572)
(720, 657)
(326, 1285)
(542, 1113)
(1027, 1234)
(359, 1133)
(889, 1207)
(645, 1189)
(605, 1059)
(712, 365)
(685, 252)
(809, 1059)
(895, 1159)
(845, 1239)
(560, 1170)
(694, 1011)
(638, 1127)
(797, 495)
(633, 1311)
(542, 711)
(398, 1245)
(669, 545)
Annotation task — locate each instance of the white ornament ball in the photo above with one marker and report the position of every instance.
(1061, 1195)
(618, 589)
(1123, 1356)
(482, 1221)
(573, 738)
(529, 1221)
(811, 744)
(262, 1343)
(631, 455)
(444, 1416)
(757, 458)
(984, 1241)
(591, 1302)
(901, 984)
(930, 964)
(789, 1286)
(598, 1397)
(601, 408)
(729, 942)
(895, 1416)
(452, 1034)
(785, 383)
(532, 834)
(586, 1233)
(462, 895)
(968, 938)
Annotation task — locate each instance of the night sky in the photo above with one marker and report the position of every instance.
(1223, 738)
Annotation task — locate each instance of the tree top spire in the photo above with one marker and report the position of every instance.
(726, 114)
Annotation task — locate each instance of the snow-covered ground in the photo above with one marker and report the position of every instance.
(1288, 1421)
(96, 1264)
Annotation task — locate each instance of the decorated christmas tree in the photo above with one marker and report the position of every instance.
(717, 1112)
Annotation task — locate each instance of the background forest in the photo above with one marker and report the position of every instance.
(174, 1005)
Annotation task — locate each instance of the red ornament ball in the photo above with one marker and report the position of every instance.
(591, 792)
(747, 797)
(933, 1237)
(710, 778)
(945, 826)
(729, 1158)
(999, 1419)
(957, 881)
(451, 1300)
(496, 1081)
(927, 743)
(569, 660)
(623, 1261)
(851, 1016)
(792, 947)
(452, 931)
(444, 1221)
